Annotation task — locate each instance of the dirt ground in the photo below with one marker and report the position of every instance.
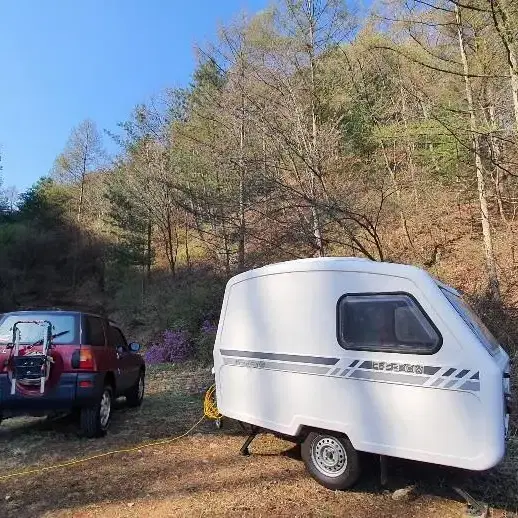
(203, 475)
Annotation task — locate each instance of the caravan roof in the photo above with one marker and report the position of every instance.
(349, 264)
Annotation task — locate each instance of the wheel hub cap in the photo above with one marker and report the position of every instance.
(329, 456)
(105, 409)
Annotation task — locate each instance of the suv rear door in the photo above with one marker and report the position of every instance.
(95, 336)
(65, 339)
(127, 370)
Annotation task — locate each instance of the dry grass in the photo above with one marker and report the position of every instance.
(203, 475)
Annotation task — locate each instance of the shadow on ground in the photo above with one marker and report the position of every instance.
(203, 473)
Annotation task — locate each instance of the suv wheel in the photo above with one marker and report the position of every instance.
(331, 459)
(95, 419)
(135, 394)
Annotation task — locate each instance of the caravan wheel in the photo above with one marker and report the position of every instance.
(331, 459)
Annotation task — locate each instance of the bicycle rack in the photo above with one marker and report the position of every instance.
(31, 368)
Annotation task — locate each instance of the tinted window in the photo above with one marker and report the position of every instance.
(63, 327)
(94, 332)
(474, 322)
(116, 338)
(385, 323)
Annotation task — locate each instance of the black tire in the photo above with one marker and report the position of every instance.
(331, 459)
(135, 394)
(94, 421)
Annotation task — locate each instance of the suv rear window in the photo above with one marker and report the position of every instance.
(94, 332)
(64, 328)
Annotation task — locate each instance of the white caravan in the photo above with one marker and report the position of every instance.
(347, 355)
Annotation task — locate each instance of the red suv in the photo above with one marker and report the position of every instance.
(60, 361)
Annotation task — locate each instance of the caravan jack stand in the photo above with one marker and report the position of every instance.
(383, 470)
(253, 434)
(475, 508)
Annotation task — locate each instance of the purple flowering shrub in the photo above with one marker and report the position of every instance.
(208, 327)
(205, 340)
(178, 346)
(155, 354)
(174, 347)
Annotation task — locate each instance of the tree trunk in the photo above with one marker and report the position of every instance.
(83, 179)
(392, 174)
(431, 148)
(514, 83)
(169, 244)
(242, 175)
(187, 252)
(499, 176)
(486, 224)
(226, 249)
(79, 213)
(409, 145)
(315, 216)
(508, 37)
(148, 252)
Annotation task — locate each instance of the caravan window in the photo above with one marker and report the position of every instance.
(474, 322)
(390, 322)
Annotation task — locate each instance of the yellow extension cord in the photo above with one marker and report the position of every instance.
(210, 412)
(210, 408)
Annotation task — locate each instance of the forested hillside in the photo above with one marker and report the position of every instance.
(310, 129)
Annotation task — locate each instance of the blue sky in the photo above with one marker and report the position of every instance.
(63, 61)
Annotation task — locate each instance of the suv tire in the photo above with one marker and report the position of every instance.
(135, 394)
(95, 419)
(331, 459)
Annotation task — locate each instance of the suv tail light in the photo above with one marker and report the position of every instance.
(83, 359)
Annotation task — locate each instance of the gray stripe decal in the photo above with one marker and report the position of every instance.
(281, 357)
(370, 374)
(387, 376)
(450, 384)
(277, 366)
(474, 386)
(462, 373)
(354, 363)
(430, 371)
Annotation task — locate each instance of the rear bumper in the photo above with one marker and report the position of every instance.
(73, 390)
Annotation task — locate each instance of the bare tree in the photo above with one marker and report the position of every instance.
(11, 195)
(82, 156)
